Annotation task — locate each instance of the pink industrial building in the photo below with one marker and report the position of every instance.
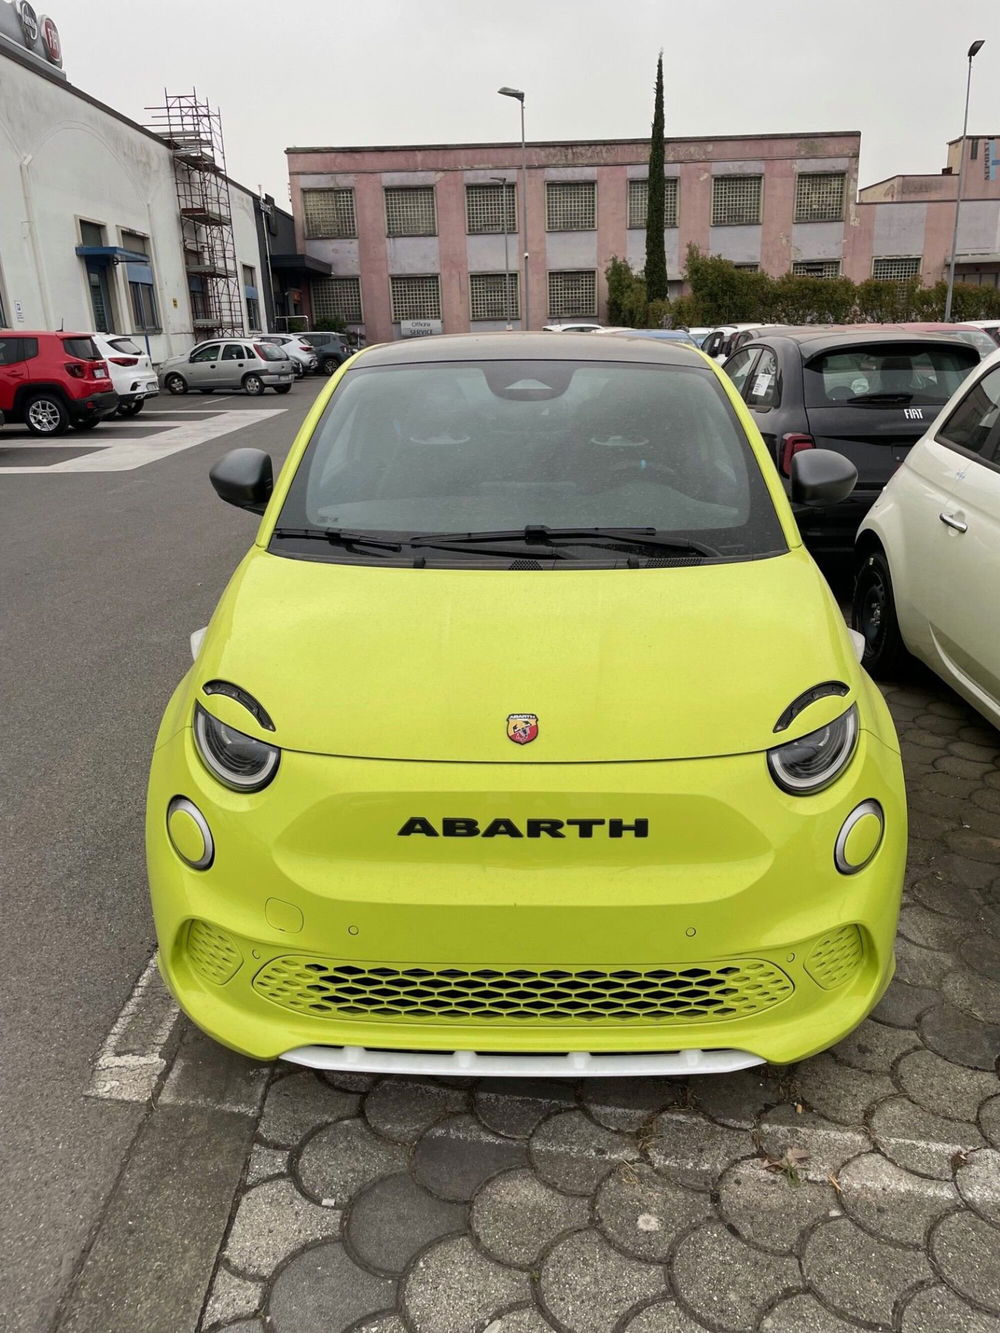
(433, 238)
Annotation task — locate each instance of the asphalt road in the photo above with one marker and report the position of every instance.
(105, 575)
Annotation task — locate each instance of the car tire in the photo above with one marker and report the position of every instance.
(175, 383)
(45, 414)
(89, 424)
(282, 388)
(131, 409)
(299, 369)
(873, 615)
(328, 365)
(253, 385)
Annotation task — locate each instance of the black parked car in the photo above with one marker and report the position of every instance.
(866, 394)
(331, 349)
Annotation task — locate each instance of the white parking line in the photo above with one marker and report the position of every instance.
(123, 455)
(130, 1062)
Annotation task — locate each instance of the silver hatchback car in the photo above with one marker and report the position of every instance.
(229, 363)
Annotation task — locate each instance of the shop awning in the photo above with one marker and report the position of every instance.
(300, 264)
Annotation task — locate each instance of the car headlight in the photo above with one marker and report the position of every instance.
(237, 760)
(814, 761)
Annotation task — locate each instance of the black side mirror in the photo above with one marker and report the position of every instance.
(244, 478)
(819, 477)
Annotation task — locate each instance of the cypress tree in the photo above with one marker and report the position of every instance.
(656, 250)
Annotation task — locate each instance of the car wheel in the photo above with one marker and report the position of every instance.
(89, 424)
(874, 616)
(282, 388)
(299, 369)
(253, 384)
(131, 409)
(44, 414)
(175, 384)
(328, 365)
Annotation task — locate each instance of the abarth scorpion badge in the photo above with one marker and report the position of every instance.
(522, 727)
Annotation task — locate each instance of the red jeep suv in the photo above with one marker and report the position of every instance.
(52, 381)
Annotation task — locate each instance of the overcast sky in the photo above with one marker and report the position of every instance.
(343, 72)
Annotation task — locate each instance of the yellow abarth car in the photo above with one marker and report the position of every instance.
(527, 737)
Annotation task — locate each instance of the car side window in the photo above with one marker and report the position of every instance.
(210, 353)
(234, 352)
(15, 350)
(974, 425)
(763, 389)
(738, 367)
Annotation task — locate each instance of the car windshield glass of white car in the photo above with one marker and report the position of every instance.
(268, 353)
(889, 375)
(530, 457)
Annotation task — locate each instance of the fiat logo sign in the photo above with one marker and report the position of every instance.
(50, 41)
(29, 21)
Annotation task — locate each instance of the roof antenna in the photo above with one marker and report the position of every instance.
(62, 324)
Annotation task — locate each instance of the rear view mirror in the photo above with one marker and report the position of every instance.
(244, 478)
(818, 477)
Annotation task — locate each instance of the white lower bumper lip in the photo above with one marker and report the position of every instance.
(569, 1064)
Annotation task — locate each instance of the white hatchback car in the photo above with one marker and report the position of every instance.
(928, 571)
(132, 375)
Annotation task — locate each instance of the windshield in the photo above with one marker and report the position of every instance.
(892, 374)
(269, 353)
(979, 339)
(474, 446)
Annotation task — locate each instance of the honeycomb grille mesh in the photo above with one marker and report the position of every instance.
(212, 953)
(835, 957)
(669, 994)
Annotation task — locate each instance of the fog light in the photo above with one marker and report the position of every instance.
(859, 838)
(189, 833)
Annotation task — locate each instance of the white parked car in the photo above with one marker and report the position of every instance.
(303, 357)
(928, 572)
(581, 326)
(132, 375)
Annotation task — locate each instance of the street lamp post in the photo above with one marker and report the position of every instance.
(518, 95)
(503, 183)
(973, 49)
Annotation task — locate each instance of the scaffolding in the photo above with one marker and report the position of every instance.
(193, 133)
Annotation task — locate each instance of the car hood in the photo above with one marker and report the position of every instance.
(428, 664)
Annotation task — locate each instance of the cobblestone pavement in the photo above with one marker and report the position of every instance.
(860, 1189)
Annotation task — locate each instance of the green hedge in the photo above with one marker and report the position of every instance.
(723, 294)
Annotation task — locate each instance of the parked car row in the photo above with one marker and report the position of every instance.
(918, 414)
(52, 381)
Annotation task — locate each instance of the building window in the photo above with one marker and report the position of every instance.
(142, 293)
(410, 211)
(747, 268)
(329, 213)
(638, 202)
(252, 299)
(573, 292)
(736, 200)
(490, 208)
(570, 205)
(489, 296)
(816, 268)
(200, 311)
(337, 298)
(819, 196)
(898, 269)
(415, 298)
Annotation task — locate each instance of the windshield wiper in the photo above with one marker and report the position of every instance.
(881, 398)
(337, 537)
(539, 534)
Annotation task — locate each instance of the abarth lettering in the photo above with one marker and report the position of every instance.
(533, 828)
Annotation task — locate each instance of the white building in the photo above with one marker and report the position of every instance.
(91, 234)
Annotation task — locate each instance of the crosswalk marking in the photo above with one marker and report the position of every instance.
(123, 454)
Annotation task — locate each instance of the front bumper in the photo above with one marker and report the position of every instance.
(313, 899)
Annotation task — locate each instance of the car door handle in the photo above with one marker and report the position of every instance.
(950, 521)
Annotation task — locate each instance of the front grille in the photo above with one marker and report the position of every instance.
(834, 958)
(212, 953)
(682, 993)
